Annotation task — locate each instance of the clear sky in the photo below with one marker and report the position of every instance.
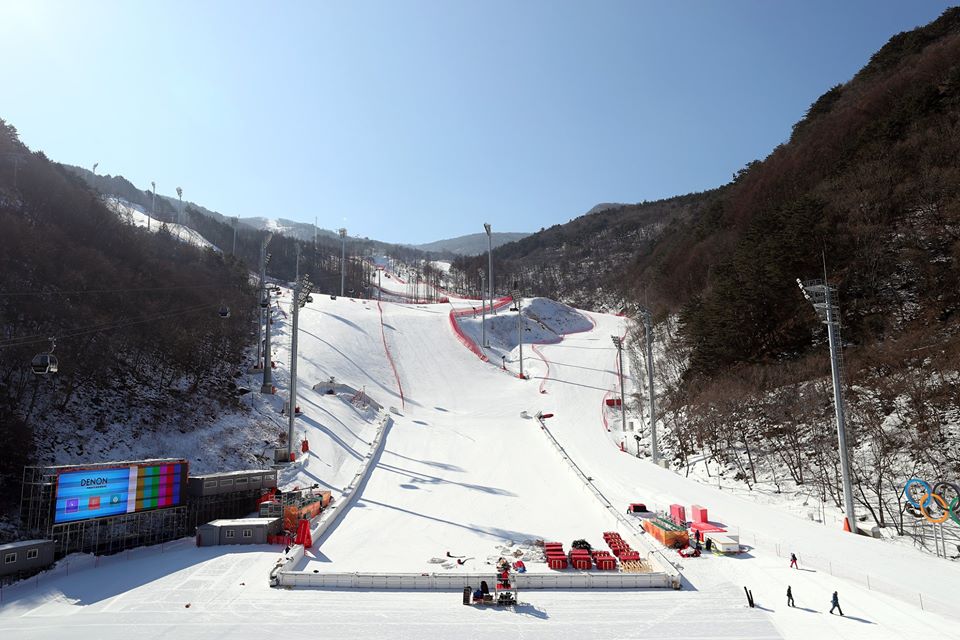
(410, 121)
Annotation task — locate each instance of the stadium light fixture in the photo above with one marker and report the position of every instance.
(822, 296)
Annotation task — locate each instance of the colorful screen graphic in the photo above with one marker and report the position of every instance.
(98, 493)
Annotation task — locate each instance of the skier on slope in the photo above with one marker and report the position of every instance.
(790, 597)
(793, 561)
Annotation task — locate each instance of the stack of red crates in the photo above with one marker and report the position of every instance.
(620, 547)
(556, 558)
(605, 561)
(580, 559)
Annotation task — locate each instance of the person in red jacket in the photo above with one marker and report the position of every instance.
(793, 561)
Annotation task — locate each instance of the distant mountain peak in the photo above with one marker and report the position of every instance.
(471, 244)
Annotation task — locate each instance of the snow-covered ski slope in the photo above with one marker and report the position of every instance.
(135, 215)
(462, 472)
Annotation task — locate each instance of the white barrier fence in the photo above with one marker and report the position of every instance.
(654, 554)
(336, 510)
(457, 581)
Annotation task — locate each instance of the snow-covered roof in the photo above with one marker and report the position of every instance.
(238, 522)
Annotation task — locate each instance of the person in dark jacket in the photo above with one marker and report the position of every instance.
(793, 561)
(790, 597)
(835, 601)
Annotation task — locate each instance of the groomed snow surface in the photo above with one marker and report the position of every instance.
(463, 472)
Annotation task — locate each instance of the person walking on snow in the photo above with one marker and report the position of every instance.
(835, 601)
(790, 597)
(793, 561)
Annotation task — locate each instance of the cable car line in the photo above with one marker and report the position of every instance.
(119, 324)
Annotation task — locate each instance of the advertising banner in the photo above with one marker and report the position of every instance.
(98, 493)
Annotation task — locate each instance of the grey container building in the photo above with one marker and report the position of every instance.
(240, 531)
(24, 558)
(213, 484)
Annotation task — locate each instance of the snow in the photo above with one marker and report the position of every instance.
(136, 216)
(442, 265)
(461, 471)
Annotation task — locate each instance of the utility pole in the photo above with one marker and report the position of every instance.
(153, 204)
(267, 386)
(379, 284)
(343, 257)
(822, 296)
(486, 227)
(236, 223)
(483, 310)
(516, 298)
(618, 343)
(300, 292)
(648, 340)
(180, 215)
(263, 268)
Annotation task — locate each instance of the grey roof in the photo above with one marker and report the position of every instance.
(21, 544)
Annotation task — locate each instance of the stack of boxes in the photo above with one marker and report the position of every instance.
(556, 558)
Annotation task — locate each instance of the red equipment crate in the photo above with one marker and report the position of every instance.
(628, 556)
(581, 562)
(698, 513)
(558, 562)
(605, 563)
(678, 512)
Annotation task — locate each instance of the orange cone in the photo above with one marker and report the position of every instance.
(846, 525)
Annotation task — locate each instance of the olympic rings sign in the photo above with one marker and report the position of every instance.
(923, 497)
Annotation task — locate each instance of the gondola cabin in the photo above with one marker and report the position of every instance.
(44, 364)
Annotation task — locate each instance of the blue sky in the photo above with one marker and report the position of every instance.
(415, 121)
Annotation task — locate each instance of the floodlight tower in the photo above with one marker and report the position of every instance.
(647, 318)
(267, 386)
(516, 298)
(343, 257)
(153, 204)
(486, 227)
(483, 309)
(822, 296)
(180, 216)
(301, 290)
(618, 343)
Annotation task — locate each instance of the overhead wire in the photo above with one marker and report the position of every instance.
(110, 326)
(128, 290)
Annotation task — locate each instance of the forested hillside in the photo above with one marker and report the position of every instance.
(583, 261)
(866, 188)
(134, 315)
(868, 183)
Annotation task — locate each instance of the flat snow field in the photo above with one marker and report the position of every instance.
(462, 472)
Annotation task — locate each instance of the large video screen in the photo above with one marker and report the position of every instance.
(98, 493)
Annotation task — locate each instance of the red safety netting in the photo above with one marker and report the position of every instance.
(472, 311)
(386, 349)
